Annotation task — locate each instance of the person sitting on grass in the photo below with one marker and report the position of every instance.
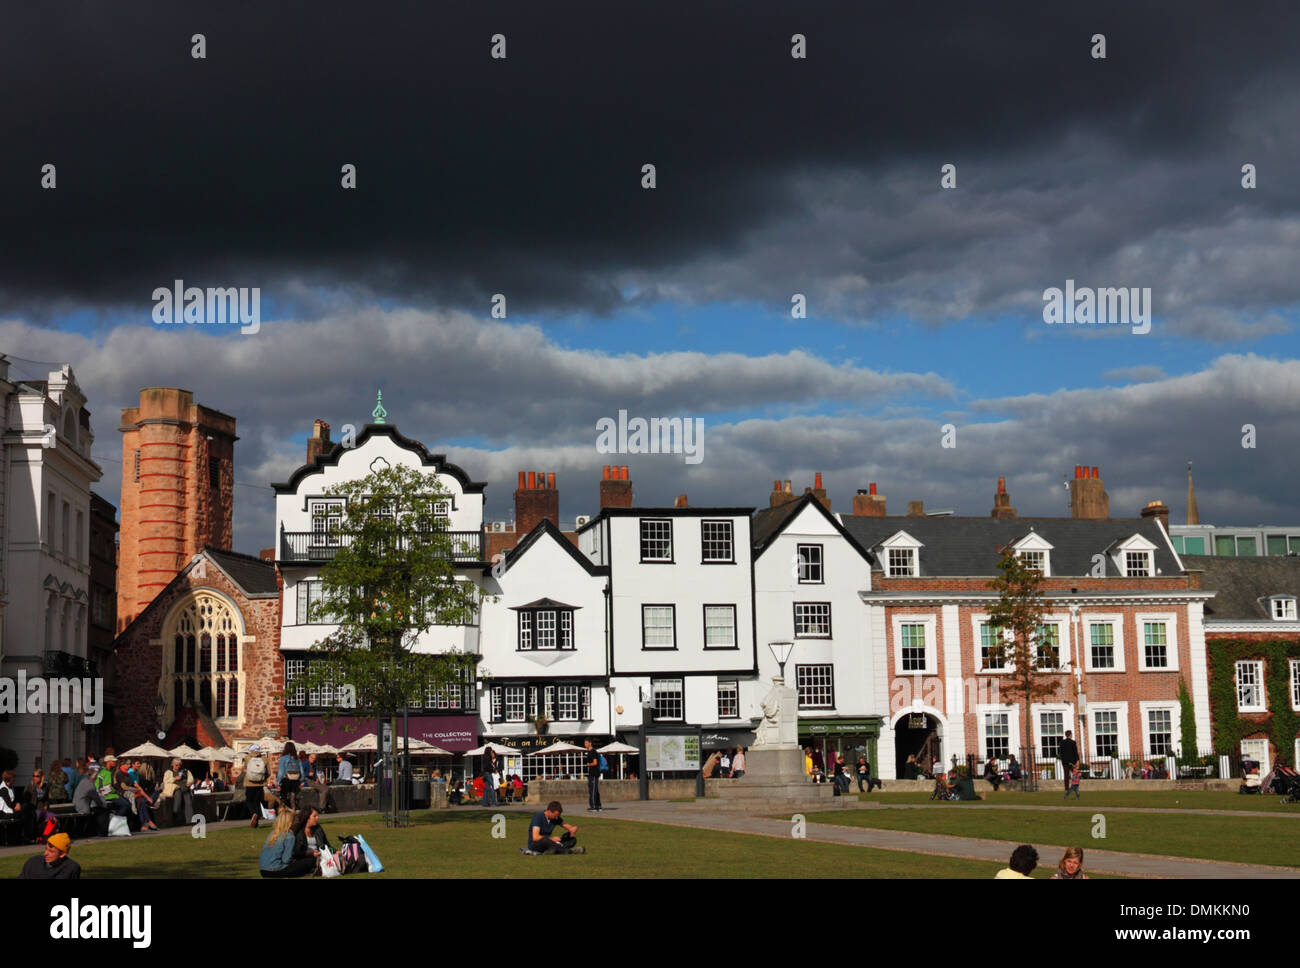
(309, 835)
(54, 864)
(277, 858)
(1071, 866)
(1023, 861)
(541, 836)
(942, 788)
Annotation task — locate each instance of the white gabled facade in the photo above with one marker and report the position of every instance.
(544, 637)
(681, 606)
(303, 545)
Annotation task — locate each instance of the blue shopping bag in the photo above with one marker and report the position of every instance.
(371, 857)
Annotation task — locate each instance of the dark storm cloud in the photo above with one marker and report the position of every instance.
(478, 176)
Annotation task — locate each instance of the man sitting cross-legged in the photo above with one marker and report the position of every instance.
(541, 836)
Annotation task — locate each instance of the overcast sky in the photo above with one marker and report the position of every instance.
(776, 176)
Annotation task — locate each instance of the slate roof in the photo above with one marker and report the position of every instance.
(253, 575)
(969, 546)
(1244, 584)
(769, 521)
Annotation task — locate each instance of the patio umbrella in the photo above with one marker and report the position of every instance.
(147, 749)
(421, 748)
(366, 744)
(214, 755)
(557, 748)
(500, 750)
(622, 749)
(185, 753)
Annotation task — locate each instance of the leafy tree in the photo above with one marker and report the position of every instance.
(391, 580)
(1018, 614)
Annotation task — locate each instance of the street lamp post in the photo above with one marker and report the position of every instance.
(159, 709)
(781, 652)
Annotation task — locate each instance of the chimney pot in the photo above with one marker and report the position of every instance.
(605, 474)
(1096, 474)
(1002, 485)
(624, 476)
(550, 480)
(532, 480)
(680, 502)
(873, 488)
(1078, 472)
(817, 481)
(522, 480)
(789, 489)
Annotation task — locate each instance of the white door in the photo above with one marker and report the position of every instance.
(1257, 749)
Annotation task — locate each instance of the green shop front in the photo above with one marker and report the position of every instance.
(849, 738)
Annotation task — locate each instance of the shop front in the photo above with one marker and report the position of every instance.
(850, 738)
(553, 766)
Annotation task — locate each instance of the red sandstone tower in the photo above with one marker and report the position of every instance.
(178, 475)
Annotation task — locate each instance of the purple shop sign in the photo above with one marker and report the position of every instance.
(453, 733)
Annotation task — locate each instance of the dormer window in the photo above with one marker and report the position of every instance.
(902, 562)
(900, 556)
(1135, 557)
(1137, 564)
(1035, 552)
(1283, 608)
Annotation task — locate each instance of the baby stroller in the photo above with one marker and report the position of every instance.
(1286, 781)
(1251, 781)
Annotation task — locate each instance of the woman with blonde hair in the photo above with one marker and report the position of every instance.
(1071, 866)
(277, 858)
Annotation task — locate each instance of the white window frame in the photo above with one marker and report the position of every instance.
(731, 609)
(1175, 725)
(730, 539)
(1171, 640)
(1036, 711)
(1013, 728)
(509, 695)
(571, 704)
(731, 685)
(812, 619)
(1258, 664)
(806, 565)
(1121, 726)
(1265, 761)
(823, 669)
(1285, 605)
(931, 623)
(681, 692)
(1147, 570)
(977, 622)
(1064, 655)
(1036, 544)
(894, 570)
(1117, 623)
(326, 511)
(671, 626)
(641, 537)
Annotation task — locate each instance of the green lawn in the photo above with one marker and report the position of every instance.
(460, 844)
(1168, 799)
(1250, 840)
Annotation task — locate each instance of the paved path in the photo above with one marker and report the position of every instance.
(1102, 861)
(1095, 808)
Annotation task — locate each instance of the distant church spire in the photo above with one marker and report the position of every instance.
(1193, 516)
(379, 413)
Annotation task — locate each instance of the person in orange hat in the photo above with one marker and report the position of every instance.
(54, 864)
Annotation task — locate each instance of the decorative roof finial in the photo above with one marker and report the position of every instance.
(379, 413)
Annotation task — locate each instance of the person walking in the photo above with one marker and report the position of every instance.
(254, 784)
(288, 775)
(1068, 755)
(592, 759)
(1076, 777)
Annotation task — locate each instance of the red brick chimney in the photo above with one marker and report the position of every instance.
(615, 487)
(818, 491)
(1088, 497)
(1158, 510)
(536, 499)
(781, 495)
(681, 501)
(1002, 509)
(319, 442)
(916, 509)
(869, 504)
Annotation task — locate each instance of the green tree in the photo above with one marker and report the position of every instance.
(1018, 614)
(391, 580)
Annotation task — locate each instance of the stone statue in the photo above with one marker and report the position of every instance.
(779, 728)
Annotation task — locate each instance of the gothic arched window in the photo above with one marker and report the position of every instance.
(204, 633)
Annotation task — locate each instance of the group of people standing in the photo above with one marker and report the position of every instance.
(725, 764)
(840, 773)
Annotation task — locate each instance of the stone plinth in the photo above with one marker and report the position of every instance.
(775, 765)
